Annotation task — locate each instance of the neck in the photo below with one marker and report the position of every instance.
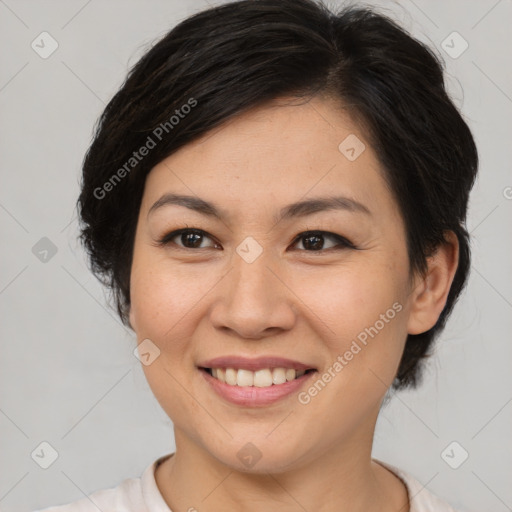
(342, 479)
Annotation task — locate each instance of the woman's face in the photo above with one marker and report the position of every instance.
(247, 286)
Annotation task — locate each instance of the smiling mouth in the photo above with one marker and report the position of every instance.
(264, 378)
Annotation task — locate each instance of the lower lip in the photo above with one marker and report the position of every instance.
(253, 396)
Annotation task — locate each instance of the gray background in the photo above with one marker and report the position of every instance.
(67, 372)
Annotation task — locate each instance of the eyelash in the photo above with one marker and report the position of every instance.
(343, 243)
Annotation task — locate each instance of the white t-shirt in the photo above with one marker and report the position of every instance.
(142, 495)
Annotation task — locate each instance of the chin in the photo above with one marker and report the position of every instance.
(257, 456)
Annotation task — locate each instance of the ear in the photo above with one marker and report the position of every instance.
(431, 291)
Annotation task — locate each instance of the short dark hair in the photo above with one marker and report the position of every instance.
(227, 59)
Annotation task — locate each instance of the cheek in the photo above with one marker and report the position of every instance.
(361, 316)
(161, 307)
(161, 295)
(349, 300)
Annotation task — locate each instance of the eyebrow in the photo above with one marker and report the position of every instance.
(299, 209)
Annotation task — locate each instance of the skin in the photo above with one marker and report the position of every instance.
(295, 302)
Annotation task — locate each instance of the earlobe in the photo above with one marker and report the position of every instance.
(431, 290)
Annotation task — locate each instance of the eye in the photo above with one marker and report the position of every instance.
(189, 237)
(312, 241)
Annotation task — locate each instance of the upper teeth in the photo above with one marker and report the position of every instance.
(261, 378)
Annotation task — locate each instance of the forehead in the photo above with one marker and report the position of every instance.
(275, 155)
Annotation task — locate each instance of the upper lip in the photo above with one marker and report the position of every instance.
(254, 364)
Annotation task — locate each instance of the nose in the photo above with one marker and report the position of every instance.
(253, 300)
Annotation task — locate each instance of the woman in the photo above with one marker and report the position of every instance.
(277, 199)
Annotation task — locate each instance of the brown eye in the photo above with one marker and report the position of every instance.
(187, 238)
(314, 241)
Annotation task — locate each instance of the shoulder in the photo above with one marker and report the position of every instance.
(131, 495)
(420, 499)
(126, 497)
